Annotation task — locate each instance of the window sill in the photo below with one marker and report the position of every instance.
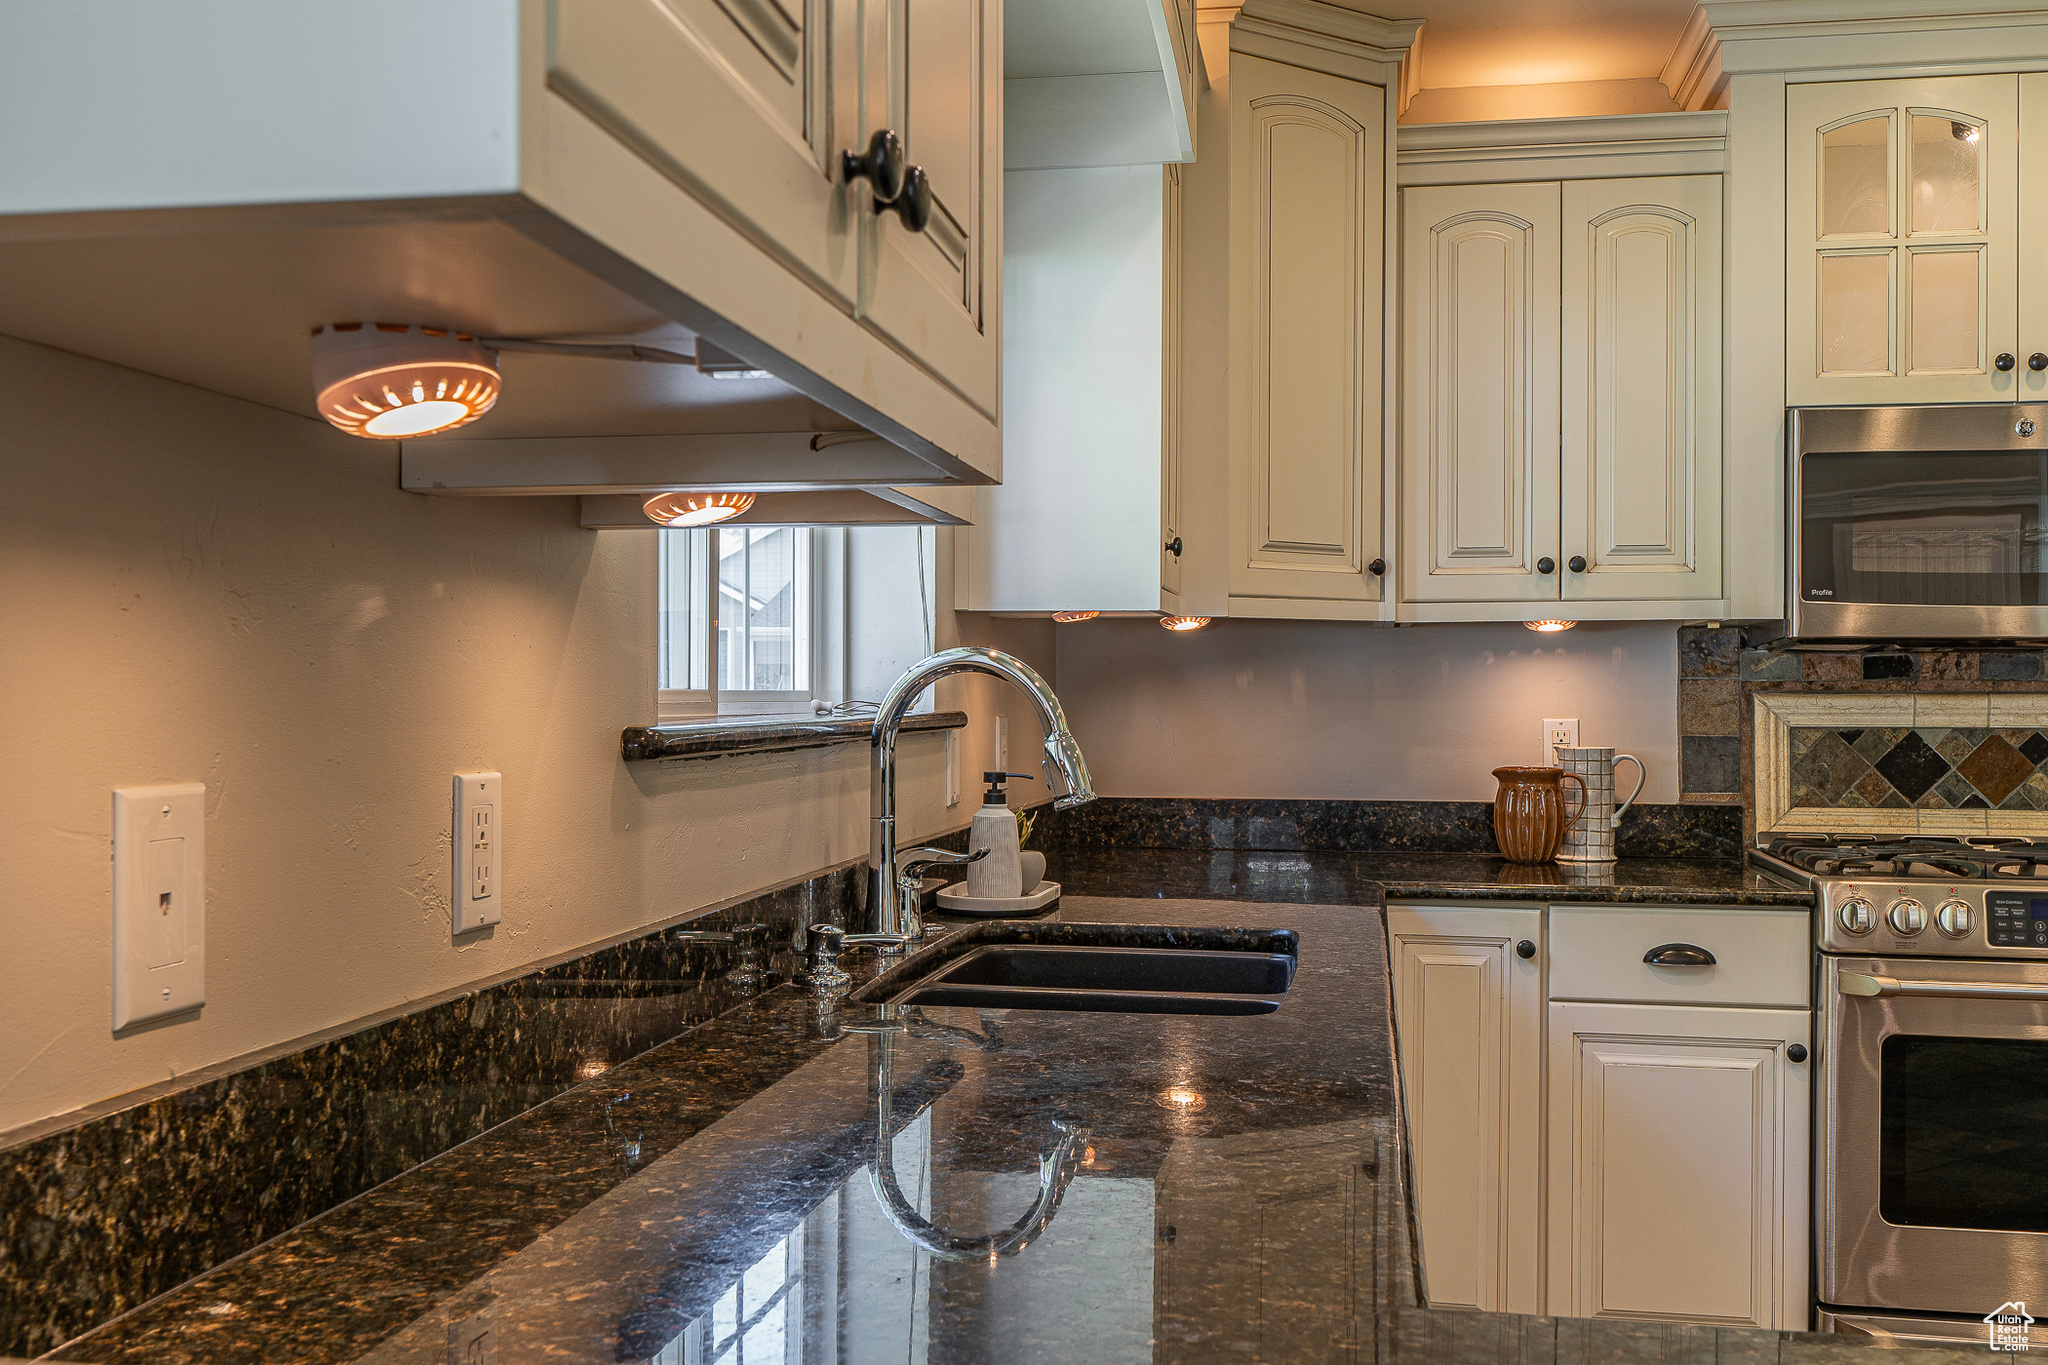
(717, 736)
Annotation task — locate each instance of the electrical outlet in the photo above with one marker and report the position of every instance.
(1002, 744)
(952, 767)
(477, 833)
(1555, 733)
(159, 902)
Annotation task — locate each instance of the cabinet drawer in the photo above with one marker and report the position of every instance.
(1761, 957)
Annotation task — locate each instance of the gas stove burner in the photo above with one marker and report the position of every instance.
(1921, 857)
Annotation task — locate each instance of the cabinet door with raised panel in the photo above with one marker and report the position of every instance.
(1902, 240)
(1480, 275)
(1641, 498)
(1307, 195)
(1678, 1150)
(733, 101)
(932, 70)
(1171, 544)
(1468, 1011)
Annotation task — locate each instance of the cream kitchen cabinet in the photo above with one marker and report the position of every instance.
(1677, 1152)
(1468, 1014)
(1597, 1135)
(1308, 227)
(1904, 205)
(1562, 354)
(657, 170)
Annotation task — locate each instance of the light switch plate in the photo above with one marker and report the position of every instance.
(477, 837)
(159, 902)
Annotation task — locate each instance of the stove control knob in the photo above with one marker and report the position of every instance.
(1907, 916)
(1857, 915)
(1954, 918)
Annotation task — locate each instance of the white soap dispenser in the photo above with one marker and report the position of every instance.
(1001, 874)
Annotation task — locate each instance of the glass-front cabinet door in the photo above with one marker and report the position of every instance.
(1902, 221)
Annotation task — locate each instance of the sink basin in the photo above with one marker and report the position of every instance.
(1121, 980)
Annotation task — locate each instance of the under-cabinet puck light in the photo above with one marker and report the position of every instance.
(390, 380)
(1550, 627)
(1179, 623)
(1069, 617)
(696, 509)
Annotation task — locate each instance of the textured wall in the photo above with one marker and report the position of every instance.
(194, 588)
(1332, 709)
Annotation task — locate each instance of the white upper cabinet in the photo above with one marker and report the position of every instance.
(1641, 362)
(1308, 196)
(1481, 267)
(929, 69)
(657, 171)
(1903, 241)
(1561, 368)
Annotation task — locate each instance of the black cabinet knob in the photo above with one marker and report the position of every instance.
(1525, 949)
(2038, 361)
(1546, 565)
(882, 165)
(2005, 360)
(914, 205)
(1377, 567)
(1173, 547)
(1797, 1052)
(1577, 563)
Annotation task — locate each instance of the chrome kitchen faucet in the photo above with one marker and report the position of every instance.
(895, 900)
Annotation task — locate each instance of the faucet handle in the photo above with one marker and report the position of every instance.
(918, 859)
(822, 973)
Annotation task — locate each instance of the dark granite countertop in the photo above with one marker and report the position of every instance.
(1317, 876)
(1239, 1193)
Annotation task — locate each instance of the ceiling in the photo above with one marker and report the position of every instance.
(1538, 42)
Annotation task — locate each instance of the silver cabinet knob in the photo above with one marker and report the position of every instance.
(1954, 918)
(1907, 916)
(1856, 915)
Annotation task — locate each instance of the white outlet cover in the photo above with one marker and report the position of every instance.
(1556, 732)
(476, 835)
(159, 902)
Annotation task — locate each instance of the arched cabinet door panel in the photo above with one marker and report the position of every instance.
(1642, 389)
(1902, 220)
(1308, 199)
(1480, 274)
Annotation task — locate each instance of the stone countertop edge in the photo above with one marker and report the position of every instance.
(717, 736)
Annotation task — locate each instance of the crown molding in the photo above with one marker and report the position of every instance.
(1323, 27)
(1841, 35)
(1693, 72)
(1561, 148)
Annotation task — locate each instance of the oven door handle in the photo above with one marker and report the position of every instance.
(1869, 984)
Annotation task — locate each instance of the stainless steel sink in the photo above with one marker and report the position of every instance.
(1046, 976)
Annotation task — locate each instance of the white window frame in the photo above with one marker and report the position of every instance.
(827, 591)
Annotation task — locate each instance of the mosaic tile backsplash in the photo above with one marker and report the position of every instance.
(1926, 769)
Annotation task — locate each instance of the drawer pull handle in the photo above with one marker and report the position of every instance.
(1679, 955)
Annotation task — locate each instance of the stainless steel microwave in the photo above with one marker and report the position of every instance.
(1919, 523)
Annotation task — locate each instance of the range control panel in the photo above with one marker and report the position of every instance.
(2016, 919)
(1929, 919)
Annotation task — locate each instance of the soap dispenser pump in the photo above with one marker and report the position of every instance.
(1000, 875)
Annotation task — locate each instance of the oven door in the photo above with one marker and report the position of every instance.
(1933, 1180)
(1919, 523)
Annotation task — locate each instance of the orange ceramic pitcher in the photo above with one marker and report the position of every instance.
(1529, 817)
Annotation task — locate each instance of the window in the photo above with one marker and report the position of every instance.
(776, 619)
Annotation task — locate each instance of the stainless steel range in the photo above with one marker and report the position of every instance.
(1931, 1121)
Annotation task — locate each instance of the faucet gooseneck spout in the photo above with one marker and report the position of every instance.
(895, 906)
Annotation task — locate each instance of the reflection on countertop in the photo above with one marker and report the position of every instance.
(1323, 877)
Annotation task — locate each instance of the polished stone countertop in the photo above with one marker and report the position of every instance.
(1343, 878)
(1231, 1189)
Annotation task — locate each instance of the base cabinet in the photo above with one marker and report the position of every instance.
(1468, 1010)
(1677, 1160)
(1633, 1153)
